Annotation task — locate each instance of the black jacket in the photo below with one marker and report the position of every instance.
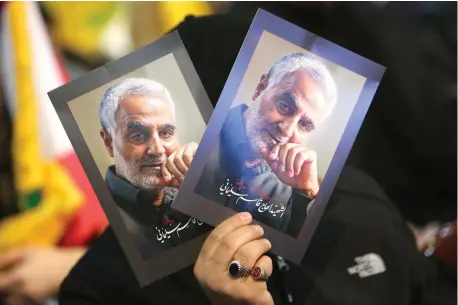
(360, 220)
(408, 139)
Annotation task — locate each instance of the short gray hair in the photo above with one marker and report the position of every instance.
(128, 87)
(312, 66)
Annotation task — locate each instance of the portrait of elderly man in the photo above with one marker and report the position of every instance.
(261, 163)
(137, 116)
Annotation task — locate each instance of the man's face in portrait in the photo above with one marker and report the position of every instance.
(145, 135)
(285, 112)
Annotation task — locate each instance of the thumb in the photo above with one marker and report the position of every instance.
(265, 153)
(11, 258)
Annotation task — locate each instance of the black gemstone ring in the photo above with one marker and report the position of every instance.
(236, 270)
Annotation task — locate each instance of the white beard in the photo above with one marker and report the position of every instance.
(129, 169)
(253, 124)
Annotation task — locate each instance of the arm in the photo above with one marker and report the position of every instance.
(362, 252)
(103, 276)
(76, 291)
(22, 270)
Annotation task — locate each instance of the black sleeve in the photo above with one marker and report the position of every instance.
(76, 290)
(103, 276)
(439, 284)
(362, 251)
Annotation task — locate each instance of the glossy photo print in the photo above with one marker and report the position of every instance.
(280, 134)
(135, 125)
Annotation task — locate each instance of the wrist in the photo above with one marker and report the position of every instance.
(73, 253)
(310, 191)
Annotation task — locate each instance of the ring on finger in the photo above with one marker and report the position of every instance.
(237, 270)
(258, 274)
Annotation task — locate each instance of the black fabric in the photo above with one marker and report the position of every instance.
(104, 276)
(408, 139)
(8, 194)
(407, 142)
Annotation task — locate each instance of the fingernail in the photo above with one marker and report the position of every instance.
(268, 242)
(291, 174)
(167, 178)
(245, 216)
(282, 168)
(272, 156)
(259, 229)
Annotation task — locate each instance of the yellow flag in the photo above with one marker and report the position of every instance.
(48, 196)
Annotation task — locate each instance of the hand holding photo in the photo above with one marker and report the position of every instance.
(280, 135)
(135, 124)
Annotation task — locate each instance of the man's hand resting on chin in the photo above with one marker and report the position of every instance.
(295, 165)
(177, 165)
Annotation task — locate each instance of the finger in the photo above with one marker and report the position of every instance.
(9, 282)
(11, 258)
(298, 161)
(179, 163)
(189, 153)
(270, 155)
(166, 174)
(229, 225)
(304, 157)
(20, 298)
(170, 164)
(265, 154)
(282, 154)
(275, 166)
(265, 262)
(291, 155)
(249, 253)
(273, 156)
(13, 299)
(172, 183)
(233, 241)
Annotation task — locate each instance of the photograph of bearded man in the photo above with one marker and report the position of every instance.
(262, 163)
(139, 132)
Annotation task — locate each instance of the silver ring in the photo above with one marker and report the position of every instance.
(259, 274)
(236, 270)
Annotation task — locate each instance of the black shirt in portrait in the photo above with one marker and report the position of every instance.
(154, 229)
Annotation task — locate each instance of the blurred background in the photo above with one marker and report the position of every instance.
(49, 213)
(109, 30)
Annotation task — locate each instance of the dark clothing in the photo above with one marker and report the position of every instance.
(104, 276)
(147, 224)
(8, 194)
(227, 181)
(408, 139)
(414, 102)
